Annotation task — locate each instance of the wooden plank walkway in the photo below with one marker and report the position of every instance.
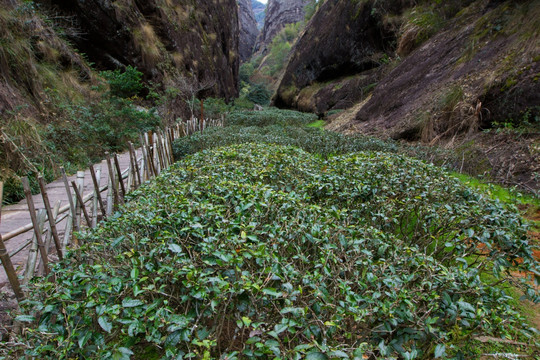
(16, 216)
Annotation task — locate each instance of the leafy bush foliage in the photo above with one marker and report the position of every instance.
(124, 84)
(312, 140)
(103, 126)
(259, 94)
(265, 251)
(270, 117)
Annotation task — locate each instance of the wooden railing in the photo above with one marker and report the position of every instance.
(87, 210)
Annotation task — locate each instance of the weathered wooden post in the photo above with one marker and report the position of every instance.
(135, 164)
(6, 260)
(51, 217)
(71, 224)
(48, 234)
(119, 172)
(113, 181)
(35, 223)
(34, 249)
(110, 197)
(96, 179)
(81, 202)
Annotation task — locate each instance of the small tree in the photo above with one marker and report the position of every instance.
(190, 87)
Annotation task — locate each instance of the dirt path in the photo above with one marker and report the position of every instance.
(17, 215)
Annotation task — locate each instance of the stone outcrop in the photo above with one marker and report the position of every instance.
(472, 68)
(343, 40)
(278, 14)
(248, 29)
(164, 40)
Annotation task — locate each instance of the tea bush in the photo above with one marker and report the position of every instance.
(266, 251)
(268, 117)
(282, 127)
(312, 140)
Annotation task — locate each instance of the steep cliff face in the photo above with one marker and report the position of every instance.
(344, 43)
(162, 39)
(278, 14)
(248, 29)
(259, 11)
(438, 73)
(58, 110)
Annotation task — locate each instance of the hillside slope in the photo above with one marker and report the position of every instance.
(57, 108)
(439, 73)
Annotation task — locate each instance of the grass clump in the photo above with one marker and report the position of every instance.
(265, 251)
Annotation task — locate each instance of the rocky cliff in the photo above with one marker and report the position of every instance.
(344, 42)
(162, 39)
(278, 14)
(56, 108)
(259, 11)
(248, 29)
(452, 73)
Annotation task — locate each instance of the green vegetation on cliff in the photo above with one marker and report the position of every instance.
(55, 109)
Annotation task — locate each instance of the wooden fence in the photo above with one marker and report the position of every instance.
(87, 210)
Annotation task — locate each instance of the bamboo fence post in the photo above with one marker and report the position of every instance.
(51, 217)
(96, 179)
(110, 199)
(171, 142)
(96, 198)
(144, 165)
(35, 248)
(165, 146)
(166, 150)
(113, 181)
(70, 221)
(136, 164)
(119, 172)
(132, 178)
(153, 153)
(6, 260)
(149, 153)
(49, 235)
(79, 203)
(37, 231)
(80, 200)
(160, 157)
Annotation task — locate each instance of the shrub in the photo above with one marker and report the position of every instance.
(124, 84)
(312, 140)
(263, 251)
(259, 94)
(270, 117)
(100, 126)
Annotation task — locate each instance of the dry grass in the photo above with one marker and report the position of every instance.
(148, 44)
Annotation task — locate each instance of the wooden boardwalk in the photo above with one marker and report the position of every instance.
(17, 215)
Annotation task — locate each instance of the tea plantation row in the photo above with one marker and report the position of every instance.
(258, 250)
